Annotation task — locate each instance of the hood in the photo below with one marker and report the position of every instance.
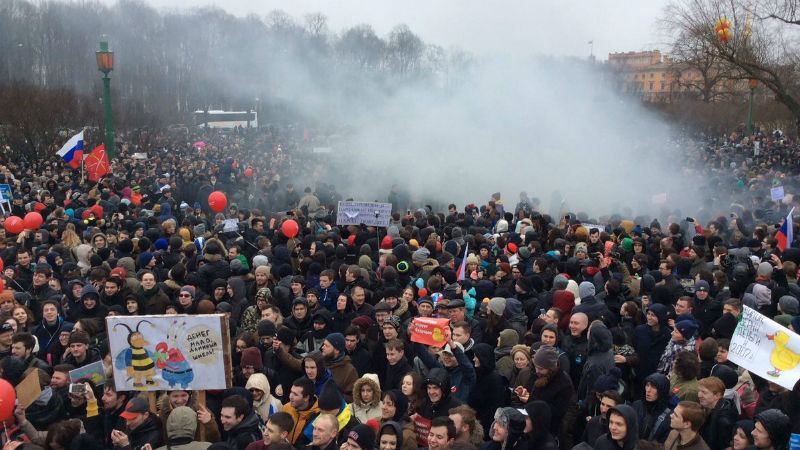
(259, 381)
(82, 255)
(182, 422)
(89, 289)
(485, 354)
(632, 424)
(543, 414)
(662, 385)
(513, 309)
(238, 289)
(508, 338)
(398, 431)
(778, 426)
(440, 378)
(127, 264)
(600, 339)
(369, 379)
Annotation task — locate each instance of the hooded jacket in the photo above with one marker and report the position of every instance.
(148, 432)
(268, 405)
(539, 437)
(599, 361)
(654, 417)
(650, 344)
(605, 442)
(301, 419)
(430, 410)
(719, 424)
(210, 428)
(246, 432)
(505, 363)
(363, 411)
(238, 300)
(181, 429)
(493, 391)
(462, 376)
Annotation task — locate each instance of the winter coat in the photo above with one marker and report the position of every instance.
(344, 374)
(462, 376)
(599, 361)
(301, 419)
(182, 426)
(268, 405)
(654, 417)
(493, 392)
(246, 432)
(630, 442)
(148, 432)
(165, 410)
(719, 425)
(558, 393)
(214, 268)
(431, 410)
(155, 300)
(649, 346)
(363, 411)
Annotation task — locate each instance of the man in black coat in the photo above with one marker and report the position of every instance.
(143, 427)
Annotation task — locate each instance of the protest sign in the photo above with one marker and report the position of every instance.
(94, 371)
(29, 389)
(152, 353)
(589, 226)
(230, 225)
(777, 193)
(430, 331)
(766, 348)
(368, 213)
(422, 427)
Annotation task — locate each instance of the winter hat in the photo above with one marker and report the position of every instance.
(728, 376)
(764, 270)
(362, 322)
(78, 337)
(525, 350)
(182, 423)
(251, 356)
(13, 369)
(205, 306)
(701, 285)
(286, 335)
(260, 260)
(420, 255)
(393, 321)
(364, 436)
(236, 266)
(189, 290)
(497, 305)
(337, 341)
(266, 328)
(382, 306)
(687, 328)
(546, 357)
(162, 244)
(224, 307)
(329, 397)
(581, 247)
(473, 259)
(586, 289)
(508, 338)
(789, 305)
(660, 311)
(386, 243)
(608, 381)
(144, 259)
(264, 293)
(778, 426)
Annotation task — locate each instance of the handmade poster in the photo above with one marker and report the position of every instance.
(766, 348)
(151, 353)
(368, 213)
(422, 427)
(94, 371)
(777, 193)
(29, 389)
(430, 331)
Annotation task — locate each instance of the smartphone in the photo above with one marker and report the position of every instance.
(566, 217)
(77, 388)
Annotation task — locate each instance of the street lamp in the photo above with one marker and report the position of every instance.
(753, 83)
(105, 64)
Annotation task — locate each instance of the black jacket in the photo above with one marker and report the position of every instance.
(431, 410)
(719, 425)
(147, 433)
(605, 442)
(654, 417)
(491, 388)
(240, 436)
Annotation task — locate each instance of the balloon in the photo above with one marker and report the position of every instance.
(14, 225)
(2, 267)
(290, 228)
(422, 293)
(420, 283)
(33, 220)
(2, 284)
(217, 201)
(248, 172)
(7, 398)
(723, 29)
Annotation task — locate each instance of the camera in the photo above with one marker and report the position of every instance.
(77, 388)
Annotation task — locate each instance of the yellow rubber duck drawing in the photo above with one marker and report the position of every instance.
(782, 358)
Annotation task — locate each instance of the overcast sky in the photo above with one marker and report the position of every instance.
(516, 27)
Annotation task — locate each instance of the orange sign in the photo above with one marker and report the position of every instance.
(430, 331)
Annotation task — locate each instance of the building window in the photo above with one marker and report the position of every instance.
(663, 85)
(652, 75)
(651, 85)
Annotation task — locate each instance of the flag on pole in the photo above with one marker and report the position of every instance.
(72, 151)
(463, 267)
(785, 235)
(97, 163)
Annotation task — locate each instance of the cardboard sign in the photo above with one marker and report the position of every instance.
(368, 213)
(777, 193)
(170, 352)
(430, 331)
(230, 225)
(29, 390)
(94, 371)
(756, 148)
(766, 348)
(422, 427)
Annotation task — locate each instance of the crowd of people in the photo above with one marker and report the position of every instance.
(609, 336)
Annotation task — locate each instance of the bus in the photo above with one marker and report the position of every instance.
(225, 119)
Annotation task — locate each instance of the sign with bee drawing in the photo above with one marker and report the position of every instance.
(766, 348)
(156, 353)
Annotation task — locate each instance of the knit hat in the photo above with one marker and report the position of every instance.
(420, 255)
(393, 321)
(382, 306)
(526, 351)
(189, 290)
(266, 328)
(789, 305)
(144, 259)
(609, 381)
(251, 356)
(362, 322)
(701, 285)
(329, 397)
(337, 341)
(581, 247)
(764, 270)
(586, 289)
(260, 260)
(497, 305)
(161, 244)
(364, 436)
(119, 272)
(687, 328)
(660, 311)
(224, 307)
(78, 337)
(286, 335)
(778, 426)
(546, 357)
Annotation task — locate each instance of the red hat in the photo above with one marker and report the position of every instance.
(386, 243)
(39, 207)
(351, 240)
(512, 247)
(119, 272)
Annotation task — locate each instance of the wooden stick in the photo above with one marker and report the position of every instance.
(201, 401)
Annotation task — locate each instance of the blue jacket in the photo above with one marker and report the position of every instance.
(462, 376)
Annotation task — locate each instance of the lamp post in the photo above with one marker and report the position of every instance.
(105, 64)
(753, 84)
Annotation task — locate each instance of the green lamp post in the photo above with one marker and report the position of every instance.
(753, 83)
(105, 64)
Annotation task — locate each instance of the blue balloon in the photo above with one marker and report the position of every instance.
(419, 283)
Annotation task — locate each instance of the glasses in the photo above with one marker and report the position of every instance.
(184, 295)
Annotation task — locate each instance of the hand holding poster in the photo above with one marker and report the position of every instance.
(430, 331)
(94, 371)
(766, 348)
(153, 353)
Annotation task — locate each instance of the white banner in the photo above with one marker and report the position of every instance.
(153, 353)
(766, 348)
(368, 213)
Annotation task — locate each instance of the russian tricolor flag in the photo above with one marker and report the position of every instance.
(463, 267)
(785, 234)
(72, 151)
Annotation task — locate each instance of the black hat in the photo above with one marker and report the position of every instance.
(329, 397)
(456, 303)
(286, 335)
(364, 436)
(266, 328)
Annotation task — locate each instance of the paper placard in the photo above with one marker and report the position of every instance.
(94, 371)
(777, 193)
(430, 331)
(152, 353)
(368, 213)
(29, 390)
(766, 348)
(422, 427)
(230, 226)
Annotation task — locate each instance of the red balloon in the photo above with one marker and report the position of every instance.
(14, 225)
(248, 172)
(422, 293)
(217, 201)
(8, 396)
(2, 267)
(97, 210)
(290, 228)
(33, 220)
